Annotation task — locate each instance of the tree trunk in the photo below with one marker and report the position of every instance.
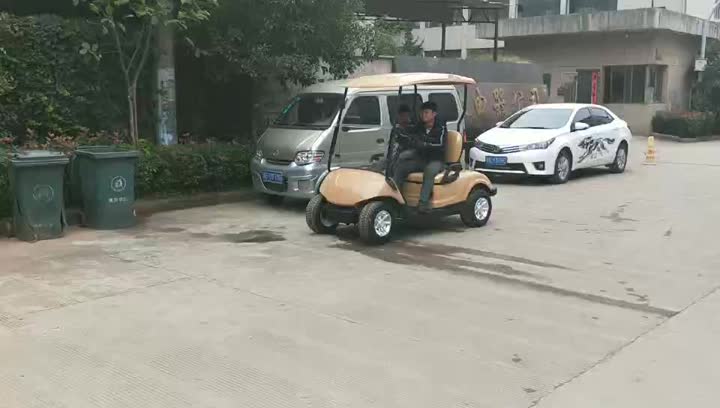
(132, 108)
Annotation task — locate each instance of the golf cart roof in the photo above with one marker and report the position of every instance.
(408, 79)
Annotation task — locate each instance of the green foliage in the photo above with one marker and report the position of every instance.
(185, 169)
(132, 25)
(47, 85)
(390, 38)
(292, 40)
(686, 125)
(706, 97)
(5, 201)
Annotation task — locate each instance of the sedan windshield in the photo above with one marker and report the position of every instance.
(314, 110)
(538, 119)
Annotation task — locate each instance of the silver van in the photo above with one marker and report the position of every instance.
(291, 155)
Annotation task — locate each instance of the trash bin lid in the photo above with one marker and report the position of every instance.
(106, 152)
(32, 158)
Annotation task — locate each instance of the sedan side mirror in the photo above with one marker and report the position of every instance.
(578, 126)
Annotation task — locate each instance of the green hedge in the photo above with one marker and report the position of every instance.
(686, 125)
(5, 202)
(173, 170)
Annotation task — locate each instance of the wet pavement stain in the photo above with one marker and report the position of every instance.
(516, 359)
(446, 258)
(530, 390)
(170, 230)
(245, 237)
(669, 233)
(617, 215)
(254, 237)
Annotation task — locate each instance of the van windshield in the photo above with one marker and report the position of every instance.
(316, 110)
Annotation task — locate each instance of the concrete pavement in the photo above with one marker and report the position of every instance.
(239, 305)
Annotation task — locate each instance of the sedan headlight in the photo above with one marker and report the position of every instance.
(538, 146)
(309, 157)
(259, 154)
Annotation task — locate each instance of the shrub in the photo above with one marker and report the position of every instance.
(5, 202)
(172, 170)
(686, 125)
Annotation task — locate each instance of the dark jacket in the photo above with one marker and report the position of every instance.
(432, 143)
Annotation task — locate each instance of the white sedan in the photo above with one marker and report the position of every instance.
(552, 140)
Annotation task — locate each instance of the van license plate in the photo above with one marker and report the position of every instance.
(273, 177)
(496, 161)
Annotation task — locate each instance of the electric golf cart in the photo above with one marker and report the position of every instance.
(368, 197)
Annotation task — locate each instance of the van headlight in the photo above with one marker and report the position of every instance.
(538, 146)
(309, 157)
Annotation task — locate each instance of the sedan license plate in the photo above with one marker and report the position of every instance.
(496, 161)
(273, 177)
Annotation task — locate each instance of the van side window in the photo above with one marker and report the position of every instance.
(364, 110)
(393, 105)
(447, 107)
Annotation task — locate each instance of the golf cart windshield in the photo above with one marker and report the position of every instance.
(311, 110)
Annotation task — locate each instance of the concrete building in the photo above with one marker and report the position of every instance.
(635, 56)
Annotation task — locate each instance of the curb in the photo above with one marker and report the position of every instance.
(149, 206)
(679, 139)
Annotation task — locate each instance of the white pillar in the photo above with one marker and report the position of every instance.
(513, 9)
(166, 91)
(564, 6)
(464, 33)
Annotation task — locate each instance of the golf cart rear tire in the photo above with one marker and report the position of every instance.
(314, 216)
(366, 222)
(468, 215)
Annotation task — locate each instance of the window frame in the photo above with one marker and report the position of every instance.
(575, 118)
(370, 125)
(441, 113)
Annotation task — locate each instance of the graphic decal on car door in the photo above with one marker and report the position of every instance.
(594, 148)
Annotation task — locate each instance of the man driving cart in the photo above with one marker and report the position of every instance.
(422, 149)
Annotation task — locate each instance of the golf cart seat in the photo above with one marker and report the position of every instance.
(452, 161)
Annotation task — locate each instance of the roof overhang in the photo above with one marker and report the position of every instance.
(601, 22)
(440, 11)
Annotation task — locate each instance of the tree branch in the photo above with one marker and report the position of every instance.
(138, 45)
(118, 45)
(145, 54)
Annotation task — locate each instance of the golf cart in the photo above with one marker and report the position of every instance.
(368, 197)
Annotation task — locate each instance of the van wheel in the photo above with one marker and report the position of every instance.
(316, 219)
(376, 222)
(477, 209)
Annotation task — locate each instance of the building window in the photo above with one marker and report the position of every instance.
(547, 80)
(591, 6)
(531, 8)
(634, 84)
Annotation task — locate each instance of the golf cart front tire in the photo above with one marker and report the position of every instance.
(314, 216)
(376, 223)
(477, 209)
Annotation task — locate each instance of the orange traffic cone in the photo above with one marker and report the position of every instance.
(650, 159)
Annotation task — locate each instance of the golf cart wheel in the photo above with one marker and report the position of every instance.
(478, 209)
(376, 222)
(621, 157)
(316, 219)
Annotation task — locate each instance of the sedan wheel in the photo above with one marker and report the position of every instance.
(620, 162)
(563, 168)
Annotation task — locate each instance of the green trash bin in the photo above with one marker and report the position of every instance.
(107, 184)
(36, 180)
